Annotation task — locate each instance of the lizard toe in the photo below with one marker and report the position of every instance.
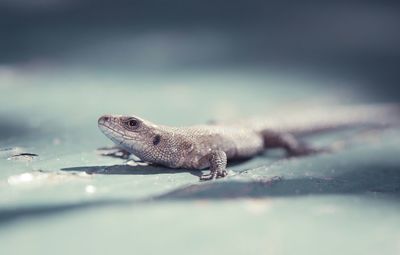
(206, 177)
(222, 174)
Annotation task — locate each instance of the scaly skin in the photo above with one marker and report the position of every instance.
(211, 146)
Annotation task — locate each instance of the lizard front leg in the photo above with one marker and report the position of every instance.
(114, 152)
(217, 161)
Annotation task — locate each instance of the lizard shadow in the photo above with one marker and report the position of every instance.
(142, 168)
(130, 170)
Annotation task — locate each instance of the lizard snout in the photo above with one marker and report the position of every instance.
(103, 119)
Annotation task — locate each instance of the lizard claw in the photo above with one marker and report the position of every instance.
(114, 152)
(222, 174)
(214, 175)
(206, 177)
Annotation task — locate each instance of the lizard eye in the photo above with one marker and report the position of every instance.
(131, 123)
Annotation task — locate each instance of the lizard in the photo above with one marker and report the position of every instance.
(212, 145)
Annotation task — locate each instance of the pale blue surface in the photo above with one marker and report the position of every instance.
(347, 202)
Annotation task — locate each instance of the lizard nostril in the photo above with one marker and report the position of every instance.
(103, 119)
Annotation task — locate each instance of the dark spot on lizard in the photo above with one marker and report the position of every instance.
(156, 139)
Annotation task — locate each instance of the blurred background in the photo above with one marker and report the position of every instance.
(346, 39)
(63, 63)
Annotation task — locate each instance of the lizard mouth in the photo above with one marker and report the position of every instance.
(107, 125)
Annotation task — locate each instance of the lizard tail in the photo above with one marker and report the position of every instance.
(324, 120)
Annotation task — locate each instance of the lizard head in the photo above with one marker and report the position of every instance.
(149, 142)
(129, 132)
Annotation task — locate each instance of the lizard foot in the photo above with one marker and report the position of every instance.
(213, 175)
(217, 160)
(115, 152)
